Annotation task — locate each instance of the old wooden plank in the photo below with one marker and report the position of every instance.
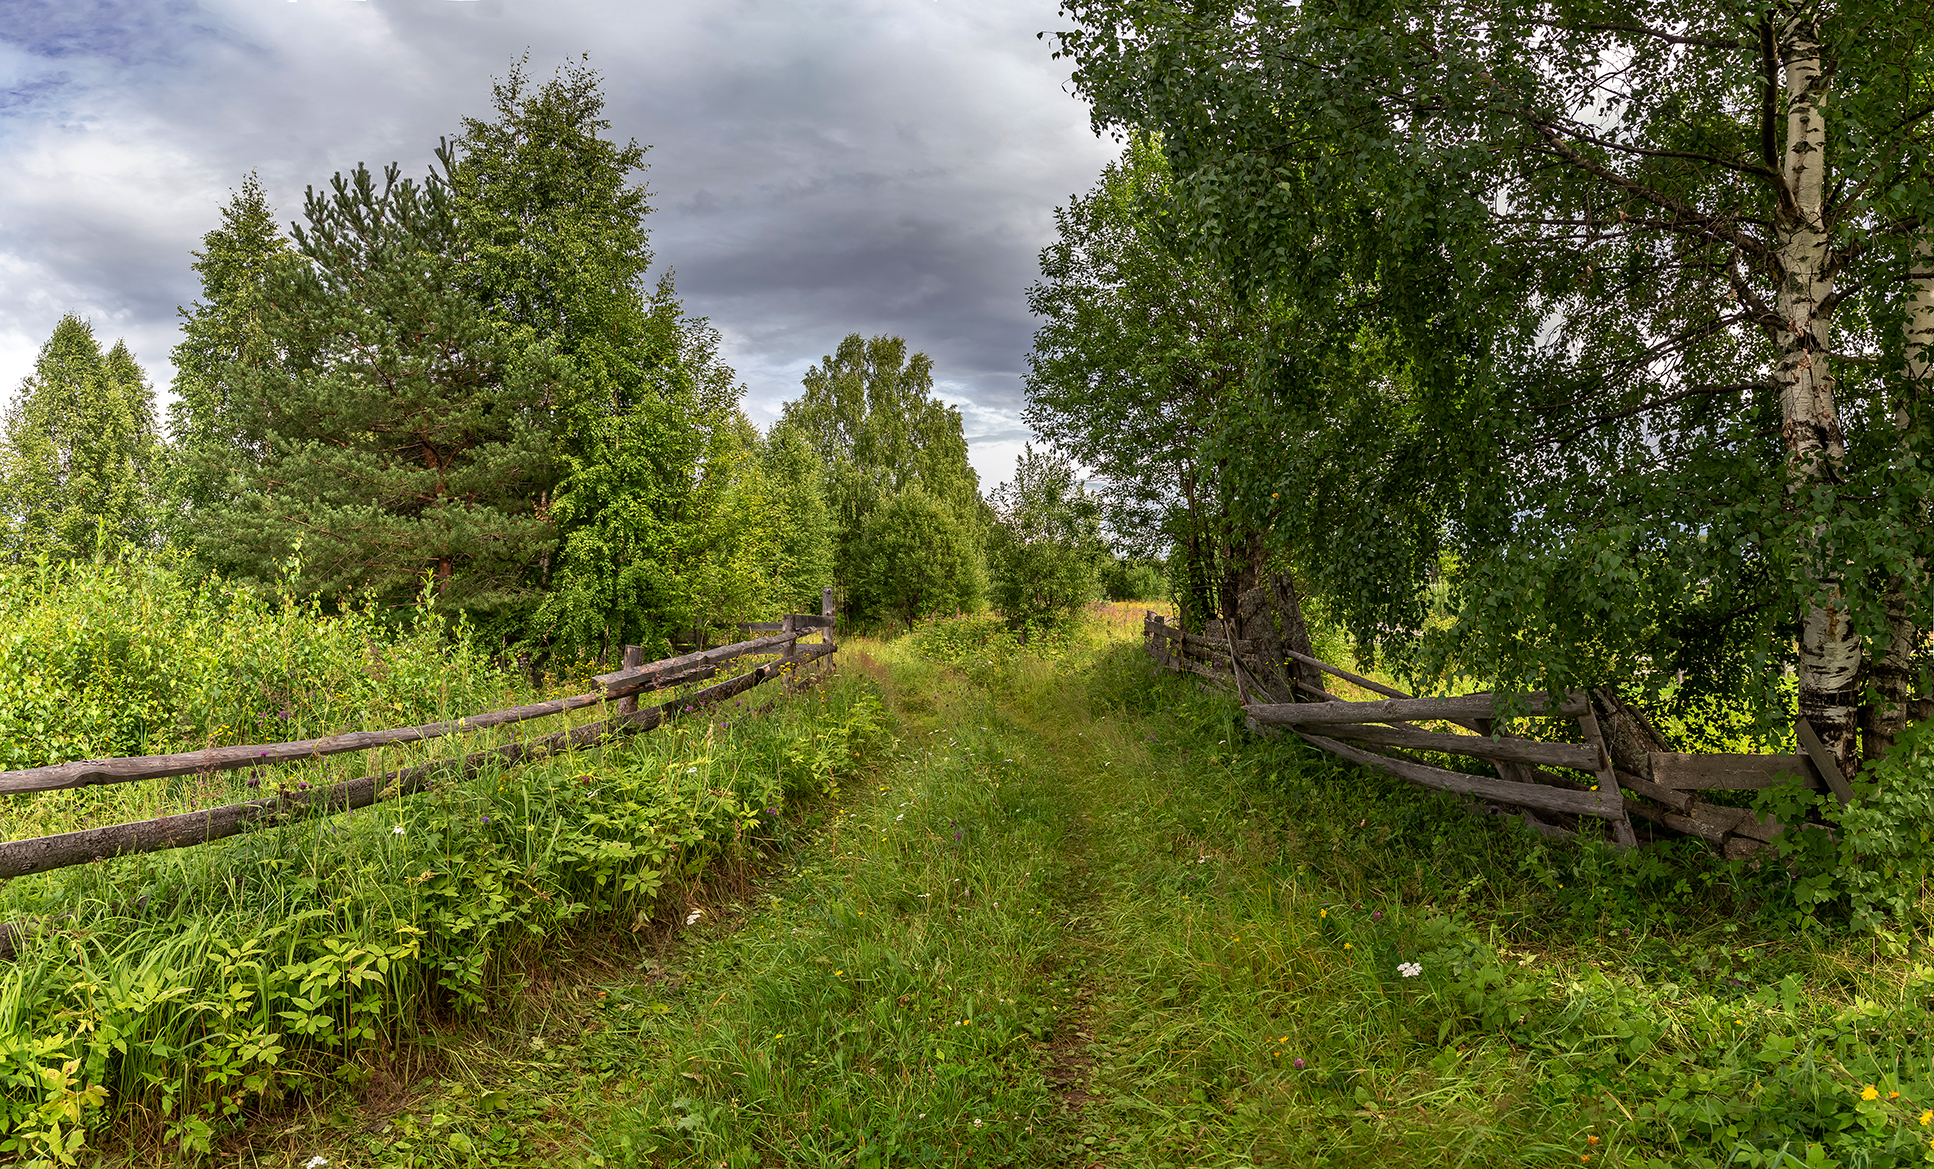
(1476, 746)
(1525, 795)
(1676, 800)
(1462, 706)
(1690, 772)
(1607, 778)
(91, 772)
(1369, 684)
(634, 657)
(1823, 761)
(648, 677)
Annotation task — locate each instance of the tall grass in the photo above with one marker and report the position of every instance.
(168, 995)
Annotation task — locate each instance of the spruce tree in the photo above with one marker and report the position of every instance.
(223, 337)
(76, 472)
(643, 414)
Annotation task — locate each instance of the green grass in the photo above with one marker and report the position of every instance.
(1078, 917)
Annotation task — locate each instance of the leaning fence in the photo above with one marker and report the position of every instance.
(1621, 774)
(618, 694)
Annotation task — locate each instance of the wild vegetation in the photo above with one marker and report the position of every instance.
(1501, 345)
(1077, 914)
(163, 999)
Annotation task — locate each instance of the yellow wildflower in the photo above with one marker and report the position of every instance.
(1870, 1093)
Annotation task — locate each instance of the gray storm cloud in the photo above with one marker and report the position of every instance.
(817, 168)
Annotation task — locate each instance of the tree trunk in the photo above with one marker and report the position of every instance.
(1894, 673)
(1829, 651)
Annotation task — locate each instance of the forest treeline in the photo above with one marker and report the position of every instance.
(467, 386)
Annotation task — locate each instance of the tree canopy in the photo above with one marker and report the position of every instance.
(1650, 297)
(81, 451)
(869, 412)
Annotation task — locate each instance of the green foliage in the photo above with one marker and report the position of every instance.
(1574, 391)
(1127, 579)
(1045, 543)
(79, 464)
(201, 985)
(1143, 357)
(132, 657)
(1875, 860)
(223, 338)
(913, 556)
(868, 410)
(402, 434)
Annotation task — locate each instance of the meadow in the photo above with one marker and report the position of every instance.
(970, 902)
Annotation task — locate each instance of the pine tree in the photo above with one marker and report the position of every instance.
(76, 472)
(223, 339)
(402, 434)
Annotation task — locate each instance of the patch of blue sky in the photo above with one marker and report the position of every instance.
(120, 33)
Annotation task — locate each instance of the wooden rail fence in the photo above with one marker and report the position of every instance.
(1622, 771)
(620, 687)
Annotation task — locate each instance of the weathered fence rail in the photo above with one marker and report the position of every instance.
(1622, 771)
(44, 853)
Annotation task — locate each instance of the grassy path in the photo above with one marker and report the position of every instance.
(1077, 919)
(1048, 936)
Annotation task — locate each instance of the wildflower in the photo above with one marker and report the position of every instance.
(1591, 1140)
(1927, 1118)
(1377, 916)
(317, 1162)
(1348, 946)
(396, 831)
(691, 771)
(1322, 913)
(1410, 969)
(693, 916)
(1870, 1093)
(486, 819)
(1298, 1063)
(976, 1122)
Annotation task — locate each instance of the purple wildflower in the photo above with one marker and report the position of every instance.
(1298, 1063)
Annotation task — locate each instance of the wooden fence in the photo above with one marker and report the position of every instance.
(620, 688)
(1620, 774)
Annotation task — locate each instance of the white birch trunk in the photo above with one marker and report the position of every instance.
(1829, 652)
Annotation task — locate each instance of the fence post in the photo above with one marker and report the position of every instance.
(634, 656)
(826, 610)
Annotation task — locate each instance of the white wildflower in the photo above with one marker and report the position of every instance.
(1410, 969)
(396, 831)
(316, 1162)
(693, 916)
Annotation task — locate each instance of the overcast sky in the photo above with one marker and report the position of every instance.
(819, 167)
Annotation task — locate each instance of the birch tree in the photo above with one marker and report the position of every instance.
(1677, 252)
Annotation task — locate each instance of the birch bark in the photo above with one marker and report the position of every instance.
(1829, 651)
